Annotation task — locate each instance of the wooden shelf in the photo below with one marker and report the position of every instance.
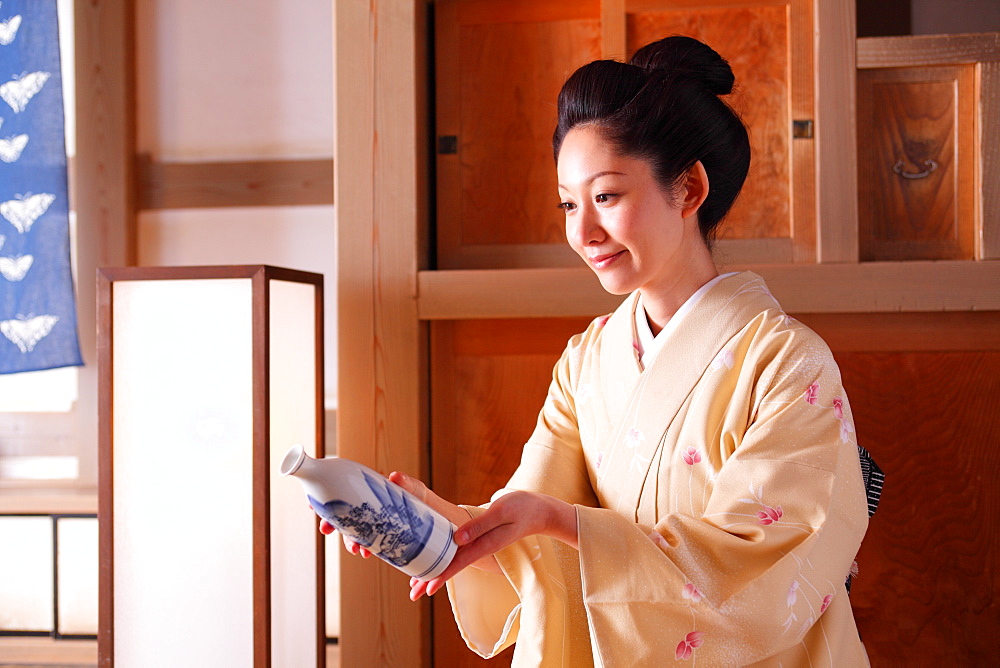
(875, 287)
(22, 499)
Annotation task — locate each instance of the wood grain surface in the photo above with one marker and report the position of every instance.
(498, 75)
(927, 592)
(921, 120)
(755, 42)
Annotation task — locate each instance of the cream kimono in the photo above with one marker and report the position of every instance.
(719, 499)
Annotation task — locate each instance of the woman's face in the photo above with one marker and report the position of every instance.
(620, 221)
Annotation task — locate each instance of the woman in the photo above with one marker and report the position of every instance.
(692, 491)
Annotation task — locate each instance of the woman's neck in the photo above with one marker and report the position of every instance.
(661, 302)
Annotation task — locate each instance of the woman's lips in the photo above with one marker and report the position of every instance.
(602, 261)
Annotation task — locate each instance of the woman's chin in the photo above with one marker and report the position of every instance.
(612, 286)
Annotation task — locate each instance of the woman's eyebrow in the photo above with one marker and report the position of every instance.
(594, 177)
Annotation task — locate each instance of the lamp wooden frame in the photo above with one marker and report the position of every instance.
(260, 275)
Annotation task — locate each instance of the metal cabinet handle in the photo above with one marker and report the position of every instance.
(929, 164)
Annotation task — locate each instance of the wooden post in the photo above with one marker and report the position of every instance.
(378, 185)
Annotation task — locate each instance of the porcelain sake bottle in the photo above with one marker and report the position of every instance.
(377, 514)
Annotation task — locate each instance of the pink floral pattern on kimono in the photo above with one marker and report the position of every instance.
(826, 603)
(691, 456)
(691, 593)
(812, 394)
(685, 648)
(769, 515)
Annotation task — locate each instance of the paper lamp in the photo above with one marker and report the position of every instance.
(208, 375)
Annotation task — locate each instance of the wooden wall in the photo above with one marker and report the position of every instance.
(924, 388)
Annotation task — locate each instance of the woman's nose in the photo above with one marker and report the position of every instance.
(584, 229)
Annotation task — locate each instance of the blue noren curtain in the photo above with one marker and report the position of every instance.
(37, 306)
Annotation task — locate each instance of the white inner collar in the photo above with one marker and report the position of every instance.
(650, 345)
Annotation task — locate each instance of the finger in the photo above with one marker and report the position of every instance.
(418, 588)
(325, 528)
(412, 485)
(418, 489)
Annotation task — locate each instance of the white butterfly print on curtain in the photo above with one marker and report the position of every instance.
(12, 147)
(37, 301)
(22, 212)
(15, 268)
(25, 333)
(8, 29)
(18, 91)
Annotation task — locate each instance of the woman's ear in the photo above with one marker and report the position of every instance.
(695, 190)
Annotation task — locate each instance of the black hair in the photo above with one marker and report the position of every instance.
(664, 106)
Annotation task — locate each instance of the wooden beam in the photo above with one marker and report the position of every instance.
(873, 287)
(103, 187)
(182, 185)
(928, 50)
(511, 293)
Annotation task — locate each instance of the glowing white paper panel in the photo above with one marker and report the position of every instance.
(294, 623)
(183, 544)
(77, 564)
(303, 237)
(26, 574)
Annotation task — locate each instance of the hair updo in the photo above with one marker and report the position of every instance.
(663, 106)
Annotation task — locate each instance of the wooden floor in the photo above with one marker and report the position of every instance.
(48, 653)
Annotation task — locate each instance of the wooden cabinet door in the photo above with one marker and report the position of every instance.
(769, 45)
(916, 163)
(499, 67)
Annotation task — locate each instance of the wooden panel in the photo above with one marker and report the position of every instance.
(755, 42)
(827, 288)
(233, 184)
(488, 382)
(769, 46)
(497, 82)
(613, 29)
(927, 594)
(982, 49)
(380, 348)
(913, 122)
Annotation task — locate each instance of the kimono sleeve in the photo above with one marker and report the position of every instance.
(552, 461)
(540, 580)
(760, 572)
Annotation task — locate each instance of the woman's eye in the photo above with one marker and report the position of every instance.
(603, 197)
(566, 206)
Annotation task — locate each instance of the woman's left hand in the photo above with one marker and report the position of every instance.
(510, 518)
